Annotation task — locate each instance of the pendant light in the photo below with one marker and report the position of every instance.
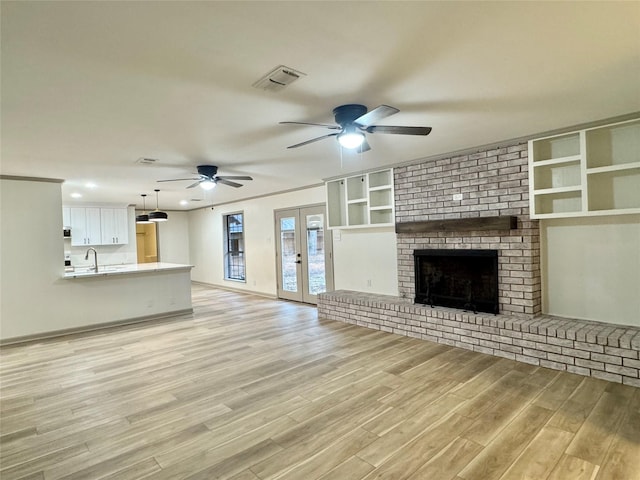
(157, 215)
(144, 218)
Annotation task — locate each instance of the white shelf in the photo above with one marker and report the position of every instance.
(613, 168)
(616, 144)
(553, 191)
(594, 171)
(361, 201)
(383, 187)
(557, 161)
(555, 147)
(615, 190)
(557, 175)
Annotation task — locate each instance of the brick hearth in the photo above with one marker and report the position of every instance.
(609, 352)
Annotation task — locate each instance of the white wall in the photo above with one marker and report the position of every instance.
(173, 238)
(34, 296)
(206, 239)
(366, 260)
(591, 268)
(368, 254)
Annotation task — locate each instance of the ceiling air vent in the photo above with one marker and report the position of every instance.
(147, 161)
(278, 78)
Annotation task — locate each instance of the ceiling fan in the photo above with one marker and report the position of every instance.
(353, 121)
(208, 179)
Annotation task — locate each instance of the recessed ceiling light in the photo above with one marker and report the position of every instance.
(76, 195)
(90, 185)
(184, 202)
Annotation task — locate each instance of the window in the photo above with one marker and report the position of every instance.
(234, 247)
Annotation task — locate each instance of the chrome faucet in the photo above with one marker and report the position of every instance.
(95, 258)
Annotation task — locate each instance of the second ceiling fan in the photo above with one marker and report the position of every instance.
(208, 179)
(353, 121)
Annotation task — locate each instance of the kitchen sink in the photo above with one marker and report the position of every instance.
(101, 269)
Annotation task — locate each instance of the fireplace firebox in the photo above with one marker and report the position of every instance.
(464, 279)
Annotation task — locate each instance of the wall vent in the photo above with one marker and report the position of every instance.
(278, 78)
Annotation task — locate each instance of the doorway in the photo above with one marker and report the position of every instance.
(146, 242)
(304, 254)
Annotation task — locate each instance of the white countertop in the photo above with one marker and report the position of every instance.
(127, 269)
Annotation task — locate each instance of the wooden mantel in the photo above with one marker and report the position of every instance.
(503, 222)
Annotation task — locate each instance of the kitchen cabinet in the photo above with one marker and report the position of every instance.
(595, 171)
(114, 226)
(85, 226)
(96, 225)
(364, 200)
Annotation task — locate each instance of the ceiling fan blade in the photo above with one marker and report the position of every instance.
(195, 184)
(227, 182)
(177, 180)
(376, 114)
(332, 127)
(312, 140)
(364, 147)
(398, 130)
(234, 177)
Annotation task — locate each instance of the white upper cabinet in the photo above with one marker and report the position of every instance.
(85, 226)
(98, 225)
(114, 226)
(594, 171)
(364, 200)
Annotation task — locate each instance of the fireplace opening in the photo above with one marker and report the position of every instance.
(464, 279)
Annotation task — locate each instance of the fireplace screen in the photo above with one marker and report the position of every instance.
(465, 279)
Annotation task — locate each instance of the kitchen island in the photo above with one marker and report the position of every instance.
(125, 269)
(114, 295)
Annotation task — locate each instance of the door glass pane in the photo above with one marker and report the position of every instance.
(315, 253)
(288, 249)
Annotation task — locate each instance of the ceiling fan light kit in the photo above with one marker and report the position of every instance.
(208, 185)
(353, 121)
(350, 138)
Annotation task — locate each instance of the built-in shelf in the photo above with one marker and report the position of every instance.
(588, 172)
(556, 161)
(556, 190)
(363, 200)
(614, 168)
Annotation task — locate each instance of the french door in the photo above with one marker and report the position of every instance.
(304, 254)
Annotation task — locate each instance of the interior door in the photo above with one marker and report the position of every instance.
(304, 254)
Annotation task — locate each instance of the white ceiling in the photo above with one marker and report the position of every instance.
(90, 87)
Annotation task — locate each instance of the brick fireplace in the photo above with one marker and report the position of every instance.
(485, 184)
(466, 190)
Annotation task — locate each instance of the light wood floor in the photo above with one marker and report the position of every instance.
(252, 388)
